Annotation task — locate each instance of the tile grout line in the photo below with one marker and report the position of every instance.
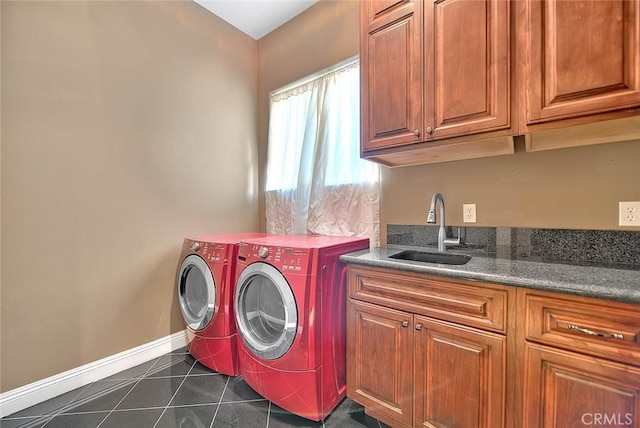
(156, 365)
(54, 414)
(88, 412)
(219, 401)
(128, 392)
(268, 415)
(175, 393)
(252, 400)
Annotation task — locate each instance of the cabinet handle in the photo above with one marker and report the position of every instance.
(429, 130)
(595, 333)
(418, 327)
(416, 132)
(405, 324)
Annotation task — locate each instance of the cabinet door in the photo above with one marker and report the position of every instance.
(467, 66)
(379, 361)
(583, 57)
(391, 73)
(564, 389)
(460, 376)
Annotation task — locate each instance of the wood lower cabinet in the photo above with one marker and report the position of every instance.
(413, 370)
(459, 375)
(568, 389)
(380, 361)
(427, 351)
(581, 361)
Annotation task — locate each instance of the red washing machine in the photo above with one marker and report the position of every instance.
(290, 312)
(206, 280)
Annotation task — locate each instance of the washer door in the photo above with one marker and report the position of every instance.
(266, 311)
(196, 292)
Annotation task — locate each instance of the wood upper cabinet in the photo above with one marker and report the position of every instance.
(391, 73)
(431, 72)
(456, 79)
(466, 67)
(580, 57)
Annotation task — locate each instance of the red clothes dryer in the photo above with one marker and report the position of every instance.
(205, 281)
(290, 304)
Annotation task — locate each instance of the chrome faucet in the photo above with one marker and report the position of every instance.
(431, 218)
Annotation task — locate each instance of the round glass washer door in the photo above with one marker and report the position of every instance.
(196, 292)
(266, 311)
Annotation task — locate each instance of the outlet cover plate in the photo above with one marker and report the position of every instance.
(469, 213)
(629, 214)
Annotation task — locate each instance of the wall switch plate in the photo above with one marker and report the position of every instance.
(469, 213)
(629, 214)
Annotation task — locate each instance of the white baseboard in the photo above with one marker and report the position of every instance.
(42, 390)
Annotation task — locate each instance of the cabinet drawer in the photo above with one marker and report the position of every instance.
(590, 326)
(474, 304)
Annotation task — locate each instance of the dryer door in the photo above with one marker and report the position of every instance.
(266, 311)
(196, 292)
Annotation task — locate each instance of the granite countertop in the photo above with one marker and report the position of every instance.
(592, 281)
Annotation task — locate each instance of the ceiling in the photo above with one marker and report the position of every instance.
(256, 17)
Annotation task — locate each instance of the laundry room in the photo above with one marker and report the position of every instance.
(128, 126)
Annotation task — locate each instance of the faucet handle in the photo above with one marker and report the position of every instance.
(454, 241)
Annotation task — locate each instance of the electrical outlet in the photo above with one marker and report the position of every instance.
(629, 214)
(469, 213)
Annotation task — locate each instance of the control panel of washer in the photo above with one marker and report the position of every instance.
(284, 258)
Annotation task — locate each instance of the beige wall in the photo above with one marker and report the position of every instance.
(127, 126)
(575, 188)
(320, 37)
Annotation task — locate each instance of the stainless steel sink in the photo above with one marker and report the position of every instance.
(426, 257)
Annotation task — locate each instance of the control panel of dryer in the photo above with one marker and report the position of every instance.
(209, 251)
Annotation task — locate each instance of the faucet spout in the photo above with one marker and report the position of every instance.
(431, 218)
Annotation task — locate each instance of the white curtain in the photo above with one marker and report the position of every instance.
(316, 181)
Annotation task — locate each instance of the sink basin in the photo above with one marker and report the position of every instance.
(423, 256)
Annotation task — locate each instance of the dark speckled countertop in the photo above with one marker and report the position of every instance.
(592, 281)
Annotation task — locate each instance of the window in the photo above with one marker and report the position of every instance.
(314, 157)
(287, 124)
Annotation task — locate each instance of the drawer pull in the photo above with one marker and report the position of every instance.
(595, 333)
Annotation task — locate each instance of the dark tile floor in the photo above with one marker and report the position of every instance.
(173, 391)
